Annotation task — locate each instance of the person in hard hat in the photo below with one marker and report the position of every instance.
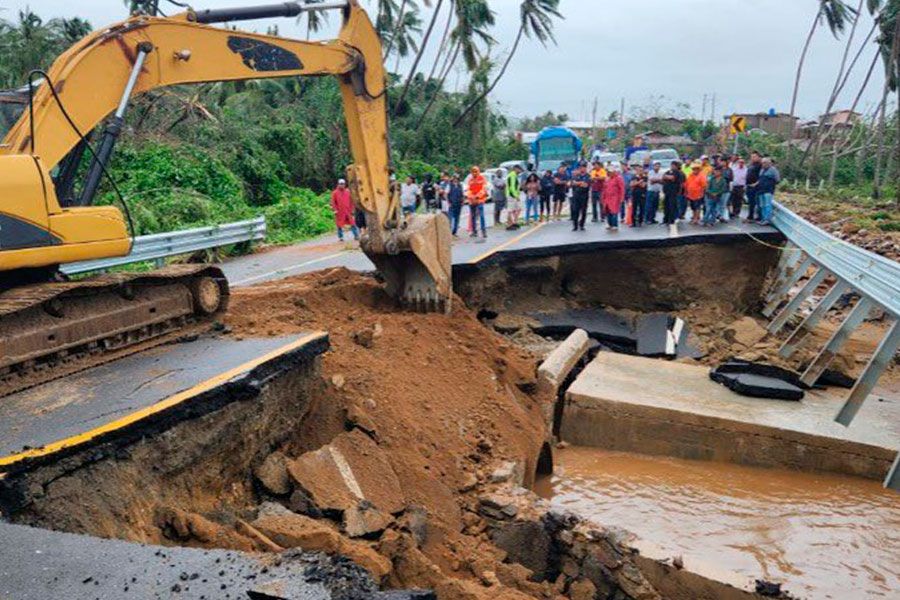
(695, 190)
(342, 206)
(476, 196)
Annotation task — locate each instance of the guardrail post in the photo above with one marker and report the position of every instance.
(892, 481)
(789, 281)
(831, 349)
(866, 382)
(809, 323)
(791, 307)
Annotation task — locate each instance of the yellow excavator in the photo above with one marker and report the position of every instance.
(47, 217)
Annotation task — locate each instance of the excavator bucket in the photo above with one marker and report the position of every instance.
(419, 273)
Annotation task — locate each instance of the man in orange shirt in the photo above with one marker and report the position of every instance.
(695, 191)
(476, 195)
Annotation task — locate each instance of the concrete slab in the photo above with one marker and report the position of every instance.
(638, 404)
(36, 564)
(77, 411)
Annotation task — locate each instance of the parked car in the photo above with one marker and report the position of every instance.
(608, 158)
(638, 158)
(508, 165)
(664, 156)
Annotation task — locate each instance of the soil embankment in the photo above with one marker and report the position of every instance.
(409, 448)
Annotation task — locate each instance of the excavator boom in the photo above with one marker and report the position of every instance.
(44, 223)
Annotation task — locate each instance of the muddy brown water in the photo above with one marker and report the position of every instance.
(823, 536)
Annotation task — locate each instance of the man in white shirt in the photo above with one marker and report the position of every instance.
(738, 187)
(409, 196)
(654, 189)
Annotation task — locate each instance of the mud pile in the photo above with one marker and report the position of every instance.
(409, 447)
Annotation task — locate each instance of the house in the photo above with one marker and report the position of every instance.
(662, 124)
(658, 139)
(841, 118)
(780, 124)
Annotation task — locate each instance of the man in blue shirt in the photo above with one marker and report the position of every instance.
(581, 187)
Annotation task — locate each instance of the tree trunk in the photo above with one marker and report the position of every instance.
(856, 100)
(496, 80)
(419, 54)
(836, 90)
(879, 149)
(809, 38)
(398, 26)
(443, 47)
(440, 87)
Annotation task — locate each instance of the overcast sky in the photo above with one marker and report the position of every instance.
(743, 51)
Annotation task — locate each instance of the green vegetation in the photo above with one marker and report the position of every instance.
(219, 152)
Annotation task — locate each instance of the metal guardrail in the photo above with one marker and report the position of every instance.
(868, 273)
(818, 255)
(158, 246)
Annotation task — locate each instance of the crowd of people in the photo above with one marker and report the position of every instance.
(714, 188)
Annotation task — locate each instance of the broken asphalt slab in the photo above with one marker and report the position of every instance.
(652, 334)
(36, 564)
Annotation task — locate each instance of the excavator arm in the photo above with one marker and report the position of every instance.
(99, 75)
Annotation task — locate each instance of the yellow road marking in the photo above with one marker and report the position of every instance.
(159, 406)
(505, 244)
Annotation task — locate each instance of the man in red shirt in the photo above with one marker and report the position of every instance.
(342, 206)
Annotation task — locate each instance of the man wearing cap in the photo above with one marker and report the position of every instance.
(695, 190)
(715, 196)
(342, 206)
(581, 187)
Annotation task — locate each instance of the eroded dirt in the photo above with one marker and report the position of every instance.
(409, 448)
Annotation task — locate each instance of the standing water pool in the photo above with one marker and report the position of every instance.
(821, 535)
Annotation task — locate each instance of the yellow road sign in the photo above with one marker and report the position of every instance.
(738, 124)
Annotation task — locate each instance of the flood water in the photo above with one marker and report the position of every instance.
(822, 536)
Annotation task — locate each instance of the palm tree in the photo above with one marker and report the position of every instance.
(836, 14)
(406, 32)
(536, 20)
(315, 18)
(473, 20)
(415, 65)
(396, 26)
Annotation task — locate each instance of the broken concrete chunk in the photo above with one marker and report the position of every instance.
(510, 471)
(364, 520)
(497, 507)
(559, 363)
(272, 474)
(351, 468)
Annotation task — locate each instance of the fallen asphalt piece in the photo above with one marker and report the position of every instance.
(36, 564)
(653, 335)
(759, 380)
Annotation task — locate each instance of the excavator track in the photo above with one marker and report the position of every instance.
(51, 330)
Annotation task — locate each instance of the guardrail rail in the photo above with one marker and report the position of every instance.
(159, 246)
(818, 255)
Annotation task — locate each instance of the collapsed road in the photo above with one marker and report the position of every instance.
(406, 443)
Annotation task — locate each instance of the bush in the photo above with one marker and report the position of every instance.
(299, 215)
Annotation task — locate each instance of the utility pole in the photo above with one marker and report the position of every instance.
(703, 110)
(594, 121)
(622, 112)
(712, 115)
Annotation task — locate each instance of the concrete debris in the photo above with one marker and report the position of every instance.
(509, 472)
(351, 468)
(559, 363)
(497, 507)
(338, 381)
(272, 474)
(291, 530)
(366, 337)
(364, 520)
